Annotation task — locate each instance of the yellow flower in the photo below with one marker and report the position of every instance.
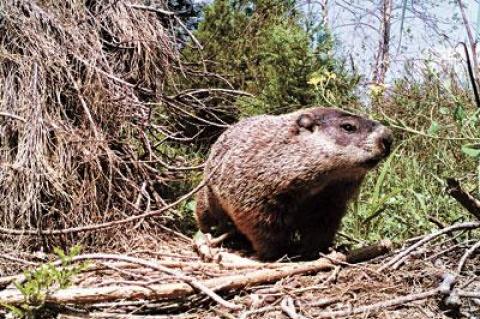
(315, 80)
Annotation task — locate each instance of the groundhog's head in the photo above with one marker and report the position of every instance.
(349, 141)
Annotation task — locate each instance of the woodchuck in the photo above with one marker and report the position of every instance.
(284, 181)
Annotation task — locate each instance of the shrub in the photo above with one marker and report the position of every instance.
(260, 47)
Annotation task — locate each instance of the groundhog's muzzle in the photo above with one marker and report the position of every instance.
(383, 146)
(386, 141)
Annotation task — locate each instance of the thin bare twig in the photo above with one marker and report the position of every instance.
(288, 307)
(378, 306)
(107, 224)
(189, 280)
(169, 14)
(465, 256)
(398, 259)
(13, 116)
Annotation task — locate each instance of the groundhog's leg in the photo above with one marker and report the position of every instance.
(270, 241)
(203, 213)
(315, 239)
(210, 216)
(270, 247)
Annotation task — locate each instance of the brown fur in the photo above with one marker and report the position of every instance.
(285, 181)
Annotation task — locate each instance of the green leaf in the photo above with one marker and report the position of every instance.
(459, 113)
(444, 110)
(472, 150)
(434, 128)
(15, 311)
(191, 205)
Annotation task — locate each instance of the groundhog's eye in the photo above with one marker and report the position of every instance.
(348, 127)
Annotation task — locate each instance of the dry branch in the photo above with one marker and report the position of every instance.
(471, 204)
(94, 227)
(465, 256)
(378, 306)
(369, 252)
(396, 261)
(173, 290)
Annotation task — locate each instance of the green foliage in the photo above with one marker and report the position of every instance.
(260, 47)
(437, 136)
(40, 282)
(472, 150)
(185, 217)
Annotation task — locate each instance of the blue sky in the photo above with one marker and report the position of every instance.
(422, 39)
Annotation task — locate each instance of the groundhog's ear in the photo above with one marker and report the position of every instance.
(306, 121)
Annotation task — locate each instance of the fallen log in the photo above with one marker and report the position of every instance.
(172, 291)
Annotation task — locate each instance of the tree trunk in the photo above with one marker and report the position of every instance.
(382, 60)
(471, 39)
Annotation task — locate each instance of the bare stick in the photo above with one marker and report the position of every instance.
(379, 305)
(470, 36)
(13, 116)
(189, 280)
(465, 256)
(398, 259)
(471, 75)
(469, 294)
(171, 291)
(35, 232)
(288, 307)
(114, 315)
(169, 14)
(18, 260)
(465, 199)
(258, 311)
(369, 252)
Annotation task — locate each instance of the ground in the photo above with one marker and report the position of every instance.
(345, 288)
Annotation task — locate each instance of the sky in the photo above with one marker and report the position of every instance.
(432, 30)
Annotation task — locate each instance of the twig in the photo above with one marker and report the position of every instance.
(84, 106)
(198, 91)
(114, 315)
(465, 256)
(190, 280)
(377, 306)
(92, 227)
(5, 281)
(169, 14)
(468, 294)
(324, 302)
(369, 252)
(18, 260)
(465, 199)
(13, 116)
(436, 221)
(259, 310)
(471, 73)
(398, 259)
(288, 307)
(169, 291)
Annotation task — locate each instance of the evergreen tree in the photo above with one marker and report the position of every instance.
(260, 47)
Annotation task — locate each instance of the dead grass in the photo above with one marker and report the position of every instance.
(76, 78)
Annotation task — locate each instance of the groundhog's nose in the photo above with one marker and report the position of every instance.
(386, 141)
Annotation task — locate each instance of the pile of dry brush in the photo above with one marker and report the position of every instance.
(81, 89)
